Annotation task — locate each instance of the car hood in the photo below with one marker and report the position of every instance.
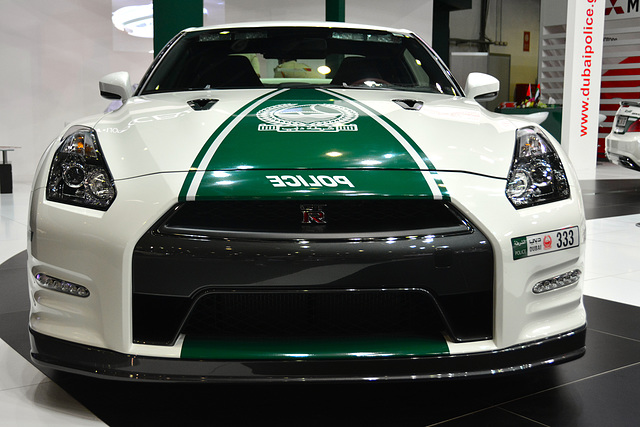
(305, 129)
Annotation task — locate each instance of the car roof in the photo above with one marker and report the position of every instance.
(318, 24)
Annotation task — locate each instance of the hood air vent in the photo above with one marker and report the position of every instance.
(409, 104)
(202, 104)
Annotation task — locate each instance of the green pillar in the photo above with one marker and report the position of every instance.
(172, 16)
(440, 37)
(334, 10)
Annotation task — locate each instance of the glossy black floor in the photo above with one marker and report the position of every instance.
(600, 389)
(611, 197)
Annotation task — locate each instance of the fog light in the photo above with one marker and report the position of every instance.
(65, 287)
(557, 282)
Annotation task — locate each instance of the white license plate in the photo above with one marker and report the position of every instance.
(543, 243)
(621, 121)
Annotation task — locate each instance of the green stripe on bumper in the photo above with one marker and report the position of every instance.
(322, 348)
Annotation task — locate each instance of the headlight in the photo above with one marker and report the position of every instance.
(79, 174)
(536, 174)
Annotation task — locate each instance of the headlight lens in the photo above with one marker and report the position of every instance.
(536, 174)
(79, 174)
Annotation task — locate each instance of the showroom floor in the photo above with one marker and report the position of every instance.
(600, 389)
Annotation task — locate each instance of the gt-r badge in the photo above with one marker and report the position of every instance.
(307, 118)
(313, 214)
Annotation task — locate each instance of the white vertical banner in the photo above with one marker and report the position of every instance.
(582, 77)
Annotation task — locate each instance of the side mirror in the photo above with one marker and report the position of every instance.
(482, 87)
(116, 86)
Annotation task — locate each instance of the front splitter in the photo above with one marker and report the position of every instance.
(86, 360)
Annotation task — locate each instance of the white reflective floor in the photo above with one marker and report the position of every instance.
(28, 398)
(613, 259)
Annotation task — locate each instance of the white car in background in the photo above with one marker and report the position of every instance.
(623, 142)
(364, 220)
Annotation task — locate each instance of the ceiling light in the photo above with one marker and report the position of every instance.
(137, 21)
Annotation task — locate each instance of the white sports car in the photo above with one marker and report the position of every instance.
(304, 201)
(623, 142)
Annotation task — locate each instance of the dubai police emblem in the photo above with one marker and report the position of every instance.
(307, 118)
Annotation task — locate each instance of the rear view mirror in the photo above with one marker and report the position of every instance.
(482, 87)
(116, 86)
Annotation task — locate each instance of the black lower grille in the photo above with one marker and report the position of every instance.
(282, 314)
(335, 216)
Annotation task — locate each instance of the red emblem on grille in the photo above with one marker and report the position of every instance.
(313, 214)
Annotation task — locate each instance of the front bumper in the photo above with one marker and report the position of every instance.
(87, 360)
(97, 250)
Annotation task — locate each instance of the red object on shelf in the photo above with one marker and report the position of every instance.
(523, 91)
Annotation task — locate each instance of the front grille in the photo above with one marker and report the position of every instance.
(308, 314)
(286, 216)
(275, 282)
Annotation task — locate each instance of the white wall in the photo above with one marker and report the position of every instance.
(273, 10)
(55, 51)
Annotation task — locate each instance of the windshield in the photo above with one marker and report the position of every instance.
(276, 57)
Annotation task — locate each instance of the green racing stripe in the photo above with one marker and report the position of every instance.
(410, 146)
(204, 157)
(313, 143)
